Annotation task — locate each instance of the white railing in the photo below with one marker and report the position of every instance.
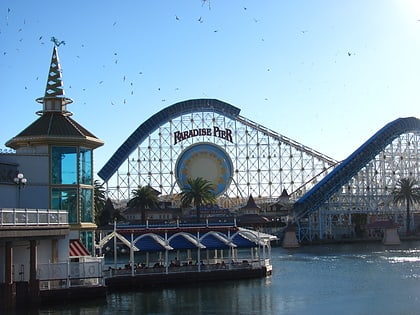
(185, 268)
(70, 274)
(23, 217)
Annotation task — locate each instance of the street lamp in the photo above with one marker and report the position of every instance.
(20, 181)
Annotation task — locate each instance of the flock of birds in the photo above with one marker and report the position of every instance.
(58, 42)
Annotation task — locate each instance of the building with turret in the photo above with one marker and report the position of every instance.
(46, 193)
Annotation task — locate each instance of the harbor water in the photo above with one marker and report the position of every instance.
(362, 278)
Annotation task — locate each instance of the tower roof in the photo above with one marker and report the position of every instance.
(55, 126)
(250, 204)
(54, 99)
(284, 194)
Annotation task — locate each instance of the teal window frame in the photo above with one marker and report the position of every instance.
(85, 166)
(64, 165)
(66, 199)
(86, 205)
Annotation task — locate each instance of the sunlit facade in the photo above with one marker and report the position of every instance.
(57, 154)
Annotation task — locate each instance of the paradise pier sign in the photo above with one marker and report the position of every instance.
(204, 159)
(216, 132)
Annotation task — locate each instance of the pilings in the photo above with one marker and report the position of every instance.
(391, 237)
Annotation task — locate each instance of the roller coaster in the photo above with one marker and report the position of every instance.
(264, 162)
(324, 192)
(363, 182)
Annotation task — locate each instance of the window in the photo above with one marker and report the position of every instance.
(64, 165)
(86, 205)
(71, 176)
(85, 175)
(65, 199)
(87, 239)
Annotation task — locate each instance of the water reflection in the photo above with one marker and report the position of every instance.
(344, 279)
(211, 299)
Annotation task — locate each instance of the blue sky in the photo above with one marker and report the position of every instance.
(327, 74)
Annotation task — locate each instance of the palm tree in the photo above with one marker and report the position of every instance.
(407, 190)
(108, 214)
(99, 199)
(143, 198)
(197, 191)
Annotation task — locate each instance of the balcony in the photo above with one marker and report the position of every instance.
(15, 222)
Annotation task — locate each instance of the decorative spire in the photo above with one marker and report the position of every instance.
(55, 82)
(54, 99)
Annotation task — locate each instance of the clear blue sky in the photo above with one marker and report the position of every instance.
(327, 74)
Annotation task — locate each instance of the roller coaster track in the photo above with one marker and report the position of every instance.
(186, 107)
(161, 117)
(288, 141)
(349, 167)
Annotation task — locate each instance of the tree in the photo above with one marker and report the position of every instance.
(143, 198)
(407, 191)
(108, 214)
(99, 201)
(197, 191)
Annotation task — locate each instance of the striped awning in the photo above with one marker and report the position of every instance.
(77, 249)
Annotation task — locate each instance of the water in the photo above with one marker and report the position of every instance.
(326, 279)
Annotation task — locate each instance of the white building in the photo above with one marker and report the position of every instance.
(46, 194)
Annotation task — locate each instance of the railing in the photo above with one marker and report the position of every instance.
(70, 274)
(90, 272)
(23, 217)
(185, 268)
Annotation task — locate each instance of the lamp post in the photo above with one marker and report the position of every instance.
(20, 181)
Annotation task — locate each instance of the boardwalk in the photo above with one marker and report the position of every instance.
(159, 276)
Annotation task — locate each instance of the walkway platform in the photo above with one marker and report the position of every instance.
(158, 277)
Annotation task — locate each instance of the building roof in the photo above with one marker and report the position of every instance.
(188, 237)
(250, 204)
(53, 128)
(284, 194)
(77, 249)
(252, 219)
(55, 125)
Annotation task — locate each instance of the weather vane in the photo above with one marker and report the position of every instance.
(57, 42)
